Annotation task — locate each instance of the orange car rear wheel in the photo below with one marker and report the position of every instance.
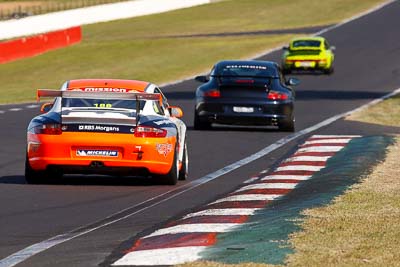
(183, 172)
(39, 177)
(171, 178)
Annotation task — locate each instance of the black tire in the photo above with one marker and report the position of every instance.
(32, 176)
(286, 126)
(330, 70)
(200, 125)
(183, 172)
(40, 177)
(286, 71)
(171, 178)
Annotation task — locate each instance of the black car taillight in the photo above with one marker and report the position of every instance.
(212, 93)
(49, 129)
(274, 95)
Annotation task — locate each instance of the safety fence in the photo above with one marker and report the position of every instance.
(21, 10)
(38, 44)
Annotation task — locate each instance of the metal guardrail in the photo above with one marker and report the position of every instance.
(21, 11)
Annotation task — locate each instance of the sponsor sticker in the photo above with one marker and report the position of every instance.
(257, 67)
(164, 149)
(98, 128)
(104, 89)
(162, 122)
(96, 153)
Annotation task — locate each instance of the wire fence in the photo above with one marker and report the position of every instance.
(21, 11)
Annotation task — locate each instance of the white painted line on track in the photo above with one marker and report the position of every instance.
(320, 149)
(307, 158)
(15, 109)
(328, 141)
(196, 228)
(223, 212)
(37, 248)
(268, 186)
(334, 136)
(248, 197)
(299, 168)
(162, 256)
(251, 180)
(286, 177)
(32, 106)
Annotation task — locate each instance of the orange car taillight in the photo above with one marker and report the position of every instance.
(273, 95)
(213, 93)
(145, 131)
(50, 129)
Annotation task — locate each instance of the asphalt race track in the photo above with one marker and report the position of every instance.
(367, 67)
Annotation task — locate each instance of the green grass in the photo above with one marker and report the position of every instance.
(359, 228)
(385, 113)
(139, 49)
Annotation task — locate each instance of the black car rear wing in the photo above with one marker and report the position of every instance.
(101, 95)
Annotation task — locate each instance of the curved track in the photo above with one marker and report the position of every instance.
(367, 67)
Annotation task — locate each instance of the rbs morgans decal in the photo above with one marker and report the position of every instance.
(96, 153)
(98, 128)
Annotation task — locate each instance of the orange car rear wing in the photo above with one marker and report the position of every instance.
(97, 95)
(102, 95)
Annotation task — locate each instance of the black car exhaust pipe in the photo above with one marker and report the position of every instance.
(96, 164)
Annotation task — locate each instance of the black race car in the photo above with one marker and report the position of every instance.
(245, 93)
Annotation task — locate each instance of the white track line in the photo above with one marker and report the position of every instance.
(196, 228)
(299, 168)
(268, 186)
(320, 149)
(248, 197)
(288, 177)
(334, 136)
(162, 256)
(251, 180)
(328, 141)
(307, 158)
(34, 249)
(32, 106)
(222, 212)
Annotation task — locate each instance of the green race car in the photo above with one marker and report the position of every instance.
(308, 53)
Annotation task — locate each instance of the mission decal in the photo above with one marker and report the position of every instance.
(184, 240)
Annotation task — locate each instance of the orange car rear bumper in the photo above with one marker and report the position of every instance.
(110, 150)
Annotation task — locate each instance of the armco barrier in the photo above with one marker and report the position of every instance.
(38, 44)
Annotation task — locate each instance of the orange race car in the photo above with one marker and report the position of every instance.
(105, 126)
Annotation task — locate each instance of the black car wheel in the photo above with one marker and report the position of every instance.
(183, 173)
(199, 124)
(286, 126)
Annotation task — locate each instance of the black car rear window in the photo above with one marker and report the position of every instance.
(245, 70)
(310, 43)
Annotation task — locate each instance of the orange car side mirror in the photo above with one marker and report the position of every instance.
(175, 112)
(46, 107)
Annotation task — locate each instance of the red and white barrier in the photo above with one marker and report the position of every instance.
(38, 44)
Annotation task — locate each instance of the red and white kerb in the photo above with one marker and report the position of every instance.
(185, 239)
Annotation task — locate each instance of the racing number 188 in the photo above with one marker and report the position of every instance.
(103, 105)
